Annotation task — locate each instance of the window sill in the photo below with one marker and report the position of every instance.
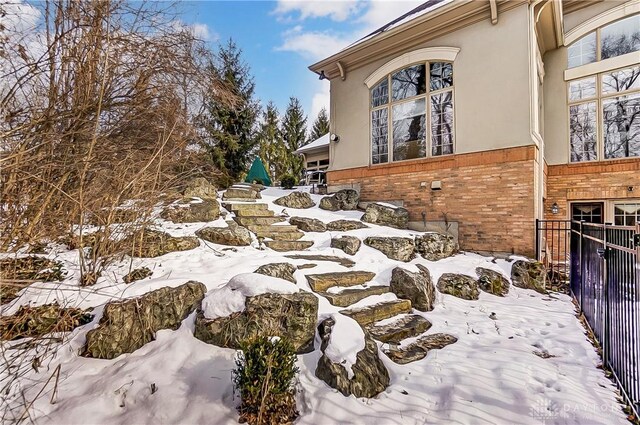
(605, 65)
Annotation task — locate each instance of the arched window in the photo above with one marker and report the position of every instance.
(412, 113)
(604, 107)
(615, 39)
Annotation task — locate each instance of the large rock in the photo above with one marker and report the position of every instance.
(459, 285)
(345, 199)
(200, 188)
(232, 235)
(308, 224)
(127, 325)
(345, 225)
(295, 200)
(349, 244)
(242, 193)
(386, 215)
(291, 316)
(153, 243)
(416, 287)
(370, 376)
(492, 282)
(137, 274)
(192, 212)
(529, 275)
(436, 246)
(396, 248)
(282, 270)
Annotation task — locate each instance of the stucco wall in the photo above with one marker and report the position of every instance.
(491, 79)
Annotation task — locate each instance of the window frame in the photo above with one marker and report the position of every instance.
(599, 98)
(391, 103)
(598, 42)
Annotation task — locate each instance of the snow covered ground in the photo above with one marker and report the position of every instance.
(490, 375)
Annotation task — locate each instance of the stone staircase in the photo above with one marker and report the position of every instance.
(390, 322)
(259, 219)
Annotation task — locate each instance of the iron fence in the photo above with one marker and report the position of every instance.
(553, 250)
(605, 281)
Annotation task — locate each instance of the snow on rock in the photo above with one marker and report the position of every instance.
(345, 342)
(231, 297)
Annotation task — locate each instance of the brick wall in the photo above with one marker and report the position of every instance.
(490, 194)
(590, 181)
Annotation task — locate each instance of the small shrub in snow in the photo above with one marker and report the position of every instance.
(287, 181)
(264, 375)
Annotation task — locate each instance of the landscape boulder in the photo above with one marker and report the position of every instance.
(436, 246)
(308, 224)
(416, 287)
(370, 376)
(127, 325)
(345, 225)
(349, 244)
(529, 275)
(459, 285)
(345, 199)
(291, 316)
(200, 188)
(386, 215)
(233, 235)
(153, 243)
(192, 211)
(137, 274)
(282, 270)
(396, 248)
(246, 193)
(299, 200)
(492, 282)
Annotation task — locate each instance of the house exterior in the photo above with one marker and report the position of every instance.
(493, 114)
(315, 156)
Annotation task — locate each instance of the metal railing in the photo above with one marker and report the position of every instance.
(553, 249)
(605, 281)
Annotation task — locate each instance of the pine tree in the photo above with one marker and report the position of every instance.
(232, 127)
(294, 131)
(320, 126)
(272, 150)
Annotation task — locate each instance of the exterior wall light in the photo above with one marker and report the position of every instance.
(554, 208)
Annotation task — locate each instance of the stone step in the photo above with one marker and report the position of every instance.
(403, 328)
(377, 312)
(240, 193)
(237, 199)
(280, 236)
(344, 262)
(234, 208)
(351, 296)
(419, 349)
(283, 246)
(257, 213)
(322, 282)
(284, 228)
(257, 221)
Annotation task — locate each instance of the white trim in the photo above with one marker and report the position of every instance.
(613, 14)
(447, 54)
(605, 65)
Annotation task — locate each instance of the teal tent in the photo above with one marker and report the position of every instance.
(257, 172)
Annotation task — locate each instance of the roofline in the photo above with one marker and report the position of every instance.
(316, 148)
(464, 12)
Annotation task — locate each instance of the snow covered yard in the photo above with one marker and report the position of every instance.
(522, 358)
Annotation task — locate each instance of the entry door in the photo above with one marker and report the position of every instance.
(591, 212)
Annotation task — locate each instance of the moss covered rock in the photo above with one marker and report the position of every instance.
(529, 275)
(127, 325)
(492, 282)
(459, 285)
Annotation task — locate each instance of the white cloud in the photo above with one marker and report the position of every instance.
(312, 45)
(337, 10)
(319, 100)
(380, 12)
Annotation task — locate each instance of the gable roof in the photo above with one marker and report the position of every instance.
(322, 142)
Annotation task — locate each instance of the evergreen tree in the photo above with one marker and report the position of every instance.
(272, 150)
(320, 126)
(231, 127)
(294, 131)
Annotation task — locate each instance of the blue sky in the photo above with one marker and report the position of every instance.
(280, 39)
